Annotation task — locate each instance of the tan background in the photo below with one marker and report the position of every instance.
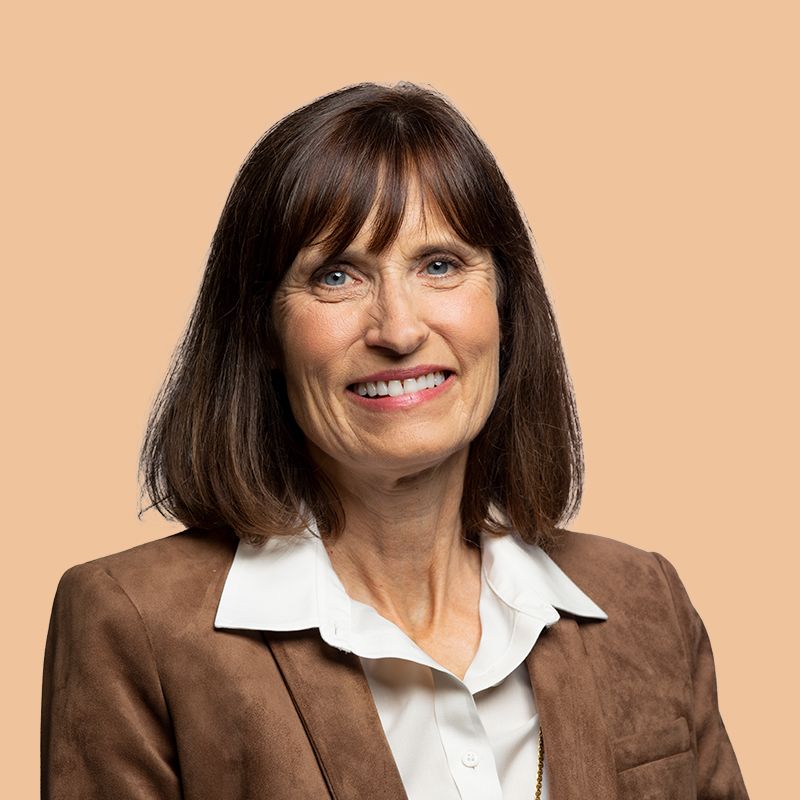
(654, 148)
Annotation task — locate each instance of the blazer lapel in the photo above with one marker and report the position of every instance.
(335, 704)
(580, 762)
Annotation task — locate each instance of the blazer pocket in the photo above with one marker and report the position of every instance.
(648, 746)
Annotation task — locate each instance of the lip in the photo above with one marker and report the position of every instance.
(401, 374)
(388, 403)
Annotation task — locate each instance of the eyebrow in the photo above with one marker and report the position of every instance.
(454, 245)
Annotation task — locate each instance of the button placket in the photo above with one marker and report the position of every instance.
(465, 741)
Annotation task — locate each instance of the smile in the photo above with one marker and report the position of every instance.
(397, 388)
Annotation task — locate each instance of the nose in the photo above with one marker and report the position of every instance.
(397, 320)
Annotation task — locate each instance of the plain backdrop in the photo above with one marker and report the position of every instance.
(653, 147)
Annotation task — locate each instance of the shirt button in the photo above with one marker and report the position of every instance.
(470, 759)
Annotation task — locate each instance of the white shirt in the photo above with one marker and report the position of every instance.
(474, 739)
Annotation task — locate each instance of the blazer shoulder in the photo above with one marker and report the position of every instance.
(610, 571)
(192, 545)
(575, 550)
(181, 567)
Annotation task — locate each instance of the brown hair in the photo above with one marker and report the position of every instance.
(222, 448)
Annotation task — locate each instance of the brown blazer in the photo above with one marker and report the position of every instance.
(143, 698)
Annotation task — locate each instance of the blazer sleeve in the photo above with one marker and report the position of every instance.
(106, 729)
(718, 773)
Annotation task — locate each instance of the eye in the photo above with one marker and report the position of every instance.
(335, 278)
(439, 267)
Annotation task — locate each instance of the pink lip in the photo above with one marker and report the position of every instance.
(401, 374)
(388, 403)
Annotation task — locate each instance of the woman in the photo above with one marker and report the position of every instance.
(370, 433)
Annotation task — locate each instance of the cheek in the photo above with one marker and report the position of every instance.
(474, 323)
(314, 342)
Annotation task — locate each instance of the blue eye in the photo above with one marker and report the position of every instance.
(438, 267)
(335, 278)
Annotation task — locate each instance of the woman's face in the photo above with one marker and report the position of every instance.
(390, 359)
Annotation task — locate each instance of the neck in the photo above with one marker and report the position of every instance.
(403, 553)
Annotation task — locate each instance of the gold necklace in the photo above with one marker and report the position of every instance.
(540, 767)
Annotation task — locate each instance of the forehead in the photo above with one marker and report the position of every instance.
(417, 219)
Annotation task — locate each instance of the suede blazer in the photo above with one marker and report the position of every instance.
(143, 698)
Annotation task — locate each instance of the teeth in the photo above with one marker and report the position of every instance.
(397, 388)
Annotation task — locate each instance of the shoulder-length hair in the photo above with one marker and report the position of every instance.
(222, 448)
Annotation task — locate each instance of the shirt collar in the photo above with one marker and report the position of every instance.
(289, 585)
(526, 578)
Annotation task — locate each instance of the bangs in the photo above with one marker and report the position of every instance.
(367, 164)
